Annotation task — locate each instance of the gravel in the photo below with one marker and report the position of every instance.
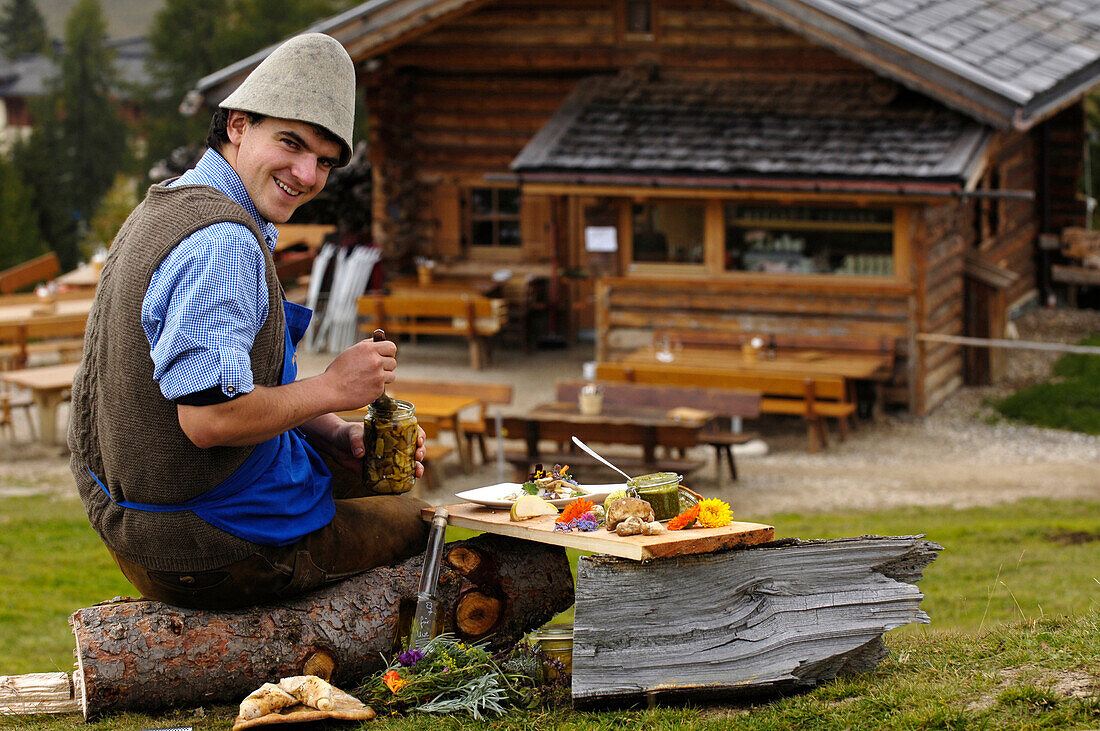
(959, 456)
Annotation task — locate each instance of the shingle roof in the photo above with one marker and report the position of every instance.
(630, 124)
(30, 76)
(1013, 60)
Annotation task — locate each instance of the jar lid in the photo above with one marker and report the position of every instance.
(654, 479)
(554, 632)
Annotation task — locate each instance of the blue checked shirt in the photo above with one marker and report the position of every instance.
(207, 300)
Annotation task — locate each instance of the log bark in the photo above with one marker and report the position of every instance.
(767, 619)
(147, 656)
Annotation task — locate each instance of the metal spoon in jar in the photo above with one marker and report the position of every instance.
(589, 449)
(383, 402)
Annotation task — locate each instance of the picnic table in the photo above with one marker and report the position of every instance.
(23, 319)
(644, 426)
(49, 386)
(806, 363)
(446, 284)
(442, 408)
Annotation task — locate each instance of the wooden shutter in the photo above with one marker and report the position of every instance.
(535, 228)
(446, 220)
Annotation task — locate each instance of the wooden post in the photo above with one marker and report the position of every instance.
(767, 619)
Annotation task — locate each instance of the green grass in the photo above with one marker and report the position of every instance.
(1011, 676)
(997, 595)
(1071, 401)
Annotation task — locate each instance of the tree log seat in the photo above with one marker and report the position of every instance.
(474, 317)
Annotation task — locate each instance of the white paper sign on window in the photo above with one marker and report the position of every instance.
(601, 238)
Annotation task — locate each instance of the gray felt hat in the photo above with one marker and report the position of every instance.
(310, 78)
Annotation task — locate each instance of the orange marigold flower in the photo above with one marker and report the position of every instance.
(685, 519)
(714, 513)
(575, 509)
(393, 681)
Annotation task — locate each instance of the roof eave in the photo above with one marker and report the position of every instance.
(900, 187)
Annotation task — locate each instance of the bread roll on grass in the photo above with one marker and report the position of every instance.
(266, 699)
(310, 690)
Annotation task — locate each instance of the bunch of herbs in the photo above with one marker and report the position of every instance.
(449, 676)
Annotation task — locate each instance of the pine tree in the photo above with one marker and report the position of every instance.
(20, 239)
(22, 29)
(79, 142)
(92, 129)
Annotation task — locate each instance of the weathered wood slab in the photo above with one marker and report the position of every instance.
(146, 656)
(37, 693)
(761, 620)
(637, 548)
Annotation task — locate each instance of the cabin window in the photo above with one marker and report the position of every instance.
(668, 232)
(636, 19)
(989, 208)
(809, 239)
(494, 220)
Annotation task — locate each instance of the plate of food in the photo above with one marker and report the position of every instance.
(554, 486)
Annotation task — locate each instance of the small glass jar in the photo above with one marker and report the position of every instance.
(661, 490)
(556, 640)
(389, 435)
(590, 399)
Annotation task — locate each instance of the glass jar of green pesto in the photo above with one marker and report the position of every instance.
(661, 490)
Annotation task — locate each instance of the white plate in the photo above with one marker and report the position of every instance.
(496, 496)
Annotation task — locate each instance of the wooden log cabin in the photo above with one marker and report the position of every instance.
(828, 171)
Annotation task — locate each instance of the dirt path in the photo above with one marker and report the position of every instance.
(959, 456)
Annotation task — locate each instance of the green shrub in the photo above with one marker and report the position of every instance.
(1072, 402)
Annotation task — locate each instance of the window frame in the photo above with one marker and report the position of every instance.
(469, 219)
(626, 36)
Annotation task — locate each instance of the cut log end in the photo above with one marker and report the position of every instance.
(477, 614)
(464, 560)
(321, 663)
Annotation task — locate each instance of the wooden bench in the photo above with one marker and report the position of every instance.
(633, 464)
(474, 317)
(727, 405)
(29, 273)
(1074, 277)
(63, 336)
(474, 429)
(814, 399)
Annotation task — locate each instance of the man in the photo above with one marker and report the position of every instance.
(197, 453)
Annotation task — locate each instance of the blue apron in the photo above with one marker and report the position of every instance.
(282, 491)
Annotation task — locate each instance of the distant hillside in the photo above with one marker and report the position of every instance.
(125, 18)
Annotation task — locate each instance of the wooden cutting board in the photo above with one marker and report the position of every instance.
(639, 548)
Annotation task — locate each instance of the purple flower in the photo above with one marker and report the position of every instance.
(410, 658)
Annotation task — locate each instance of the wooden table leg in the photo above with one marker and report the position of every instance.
(461, 445)
(47, 402)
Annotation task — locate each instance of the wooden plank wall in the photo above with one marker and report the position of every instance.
(630, 309)
(1012, 246)
(476, 89)
(1066, 159)
(941, 236)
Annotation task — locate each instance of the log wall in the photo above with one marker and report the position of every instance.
(941, 236)
(1065, 154)
(477, 88)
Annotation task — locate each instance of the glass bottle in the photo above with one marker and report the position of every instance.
(389, 436)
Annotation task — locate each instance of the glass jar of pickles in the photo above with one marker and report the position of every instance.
(661, 490)
(389, 435)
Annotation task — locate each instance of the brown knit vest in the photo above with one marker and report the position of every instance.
(123, 429)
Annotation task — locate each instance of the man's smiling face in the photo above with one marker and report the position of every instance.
(282, 163)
